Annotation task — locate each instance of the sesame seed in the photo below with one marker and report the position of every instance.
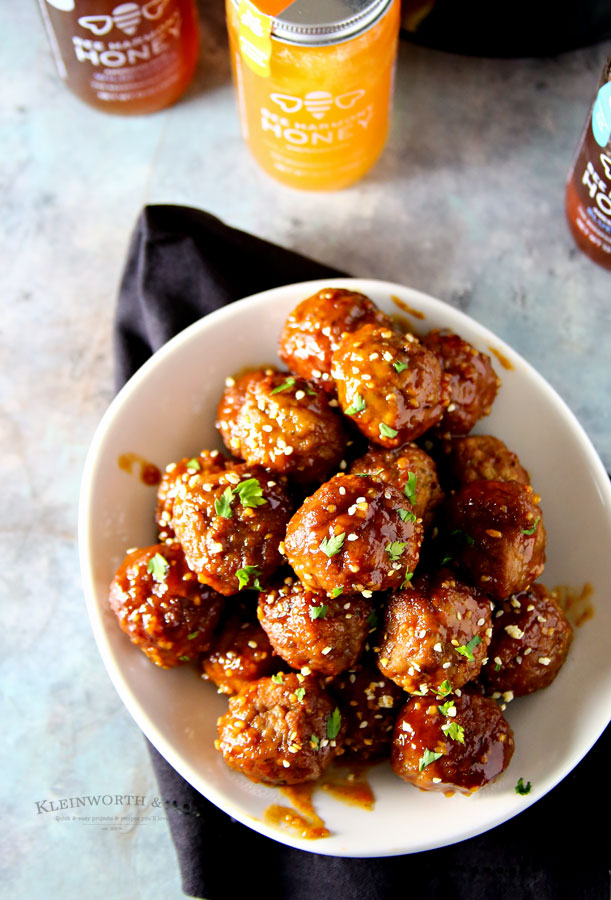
(437, 647)
(352, 537)
(544, 660)
(267, 428)
(528, 650)
(387, 356)
(232, 477)
(367, 594)
(514, 632)
(436, 780)
(451, 407)
(333, 403)
(299, 395)
(446, 665)
(342, 490)
(286, 764)
(316, 373)
(481, 622)
(229, 382)
(216, 547)
(253, 645)
(306, 670)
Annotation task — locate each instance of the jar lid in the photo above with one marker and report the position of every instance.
(314, 23)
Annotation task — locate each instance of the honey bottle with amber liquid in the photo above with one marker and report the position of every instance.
(124, 58)
(588, 190)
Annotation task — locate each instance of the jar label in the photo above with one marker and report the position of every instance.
(601, 116)
(254, 38)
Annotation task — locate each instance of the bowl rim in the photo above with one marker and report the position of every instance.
(118, 677)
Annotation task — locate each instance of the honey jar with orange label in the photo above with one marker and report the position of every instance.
(314, 83)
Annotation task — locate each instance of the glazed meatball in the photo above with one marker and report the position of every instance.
(308, 628)
(162, 607)
(498, 534)
(232, 401)
(369, 703)
(390, 385)
(483, 457)
(207, 463)
(436, 631)
(458, 743)
(409, 469)
(350, 534)
(286, 425)
(281, 730)
(530, 642)
(314, 329)
(473, 381)
(240, 651)
(230, 525)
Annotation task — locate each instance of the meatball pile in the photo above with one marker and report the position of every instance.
(357, 573)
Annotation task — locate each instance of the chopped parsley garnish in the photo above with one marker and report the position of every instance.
(185, 658)
(319, 612)
(250, 493)
(406, 515)
(158, 567)
(372, 619)
(428, 757)
(315, 741)
(386, 431)
(444, 689)
(193, 465)
(467, 649)
(446, 560)
(331, 546)
(288, 384)
(337, 591)
(454, 731)
(522, 788)
(192, 636)
(222, 506)
(399, 367)
(408, 577)
(497, 667)
(244, 574)
(278, 678)
(410, 486)
(357, 406)
(445, 708)
(463, 534)
(300, 694)
(334, 722)
(534, 527)
(395, 549)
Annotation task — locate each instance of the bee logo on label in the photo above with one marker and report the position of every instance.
(316, 103)
(126, 17)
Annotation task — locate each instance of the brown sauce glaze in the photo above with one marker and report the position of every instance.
(407, 309)
(506, 363)
(350, 787)
(149, 473)
(284, 816)
(575, 603)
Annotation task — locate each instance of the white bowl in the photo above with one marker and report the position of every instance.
(167, 411)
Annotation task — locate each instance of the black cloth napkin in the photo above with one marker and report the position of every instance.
(182, 264)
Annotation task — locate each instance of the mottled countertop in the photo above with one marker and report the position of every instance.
(465, 204)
